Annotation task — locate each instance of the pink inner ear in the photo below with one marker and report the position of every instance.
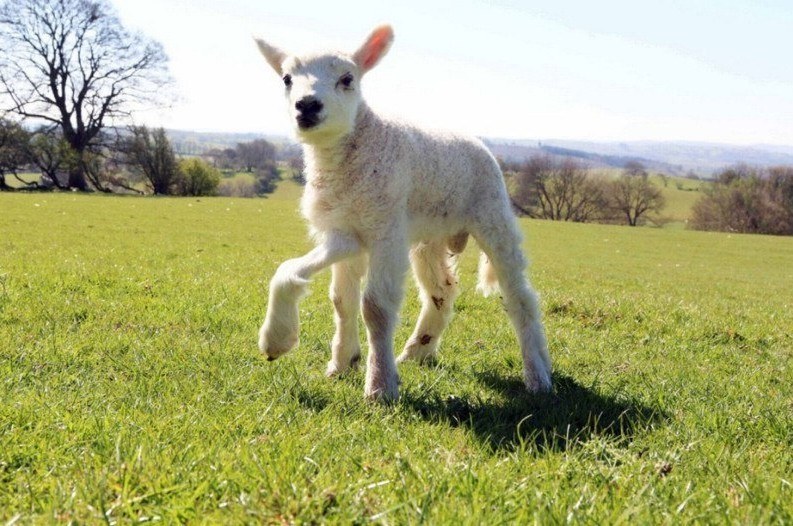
(374, 48)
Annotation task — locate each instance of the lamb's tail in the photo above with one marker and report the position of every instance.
(488, 281)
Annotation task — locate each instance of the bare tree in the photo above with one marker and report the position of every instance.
(528, 178)
(255, 154)
(561, 190)
(634, 197)
(71, 63)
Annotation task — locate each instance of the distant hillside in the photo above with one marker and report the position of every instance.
(672, 157)
(187, 142)
(517, 152)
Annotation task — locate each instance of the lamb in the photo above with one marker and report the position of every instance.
(382, 195)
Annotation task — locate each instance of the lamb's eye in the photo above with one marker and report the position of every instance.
(346, 81)
(288, 81)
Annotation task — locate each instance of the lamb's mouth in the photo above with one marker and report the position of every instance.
(306, 122)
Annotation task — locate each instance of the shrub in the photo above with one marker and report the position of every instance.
(747, 200)
(14, 149)
(196, 177)
(151, 155)
(267, 177)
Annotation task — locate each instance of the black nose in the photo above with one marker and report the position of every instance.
(309, 105)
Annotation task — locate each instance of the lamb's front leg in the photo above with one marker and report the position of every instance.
(383, 295)
(345, 292)
(280, 330)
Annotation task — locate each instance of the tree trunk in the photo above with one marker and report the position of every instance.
(3, 184)
(77, 178)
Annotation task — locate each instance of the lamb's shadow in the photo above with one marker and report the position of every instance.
(557, 421)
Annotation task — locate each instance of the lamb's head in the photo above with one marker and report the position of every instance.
(323, 91)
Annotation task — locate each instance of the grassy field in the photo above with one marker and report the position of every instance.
(132, 389)
(680, 195)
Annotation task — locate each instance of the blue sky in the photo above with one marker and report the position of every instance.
(717, 71)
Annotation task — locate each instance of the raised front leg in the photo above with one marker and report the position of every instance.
(279, 332)
(388, 263)
(345, 293)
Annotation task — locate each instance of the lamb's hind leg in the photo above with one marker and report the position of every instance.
(433, 268)
(345, 292)
(500, 239)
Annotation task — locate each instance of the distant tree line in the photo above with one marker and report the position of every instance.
(136, 159)
(747, 199)
(257, 158)
(564, 189)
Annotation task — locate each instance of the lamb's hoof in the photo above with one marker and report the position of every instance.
(271, 349)
(272, 352)
(337, 369)
(420, 349)
(428, 359)
(384, 391)
(538, 381)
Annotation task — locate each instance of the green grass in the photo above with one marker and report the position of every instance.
(132, 388)
(30, 177)
(680, 195)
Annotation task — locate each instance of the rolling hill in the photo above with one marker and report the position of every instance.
(671, 157)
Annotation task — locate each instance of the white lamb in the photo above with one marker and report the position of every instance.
(380, 195)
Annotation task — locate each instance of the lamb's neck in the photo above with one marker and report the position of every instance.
(334, 157)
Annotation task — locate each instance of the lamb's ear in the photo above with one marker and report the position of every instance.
(375, 48)
(275, 57)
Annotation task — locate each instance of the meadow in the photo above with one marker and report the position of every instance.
(133, 391)
(680, 194)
